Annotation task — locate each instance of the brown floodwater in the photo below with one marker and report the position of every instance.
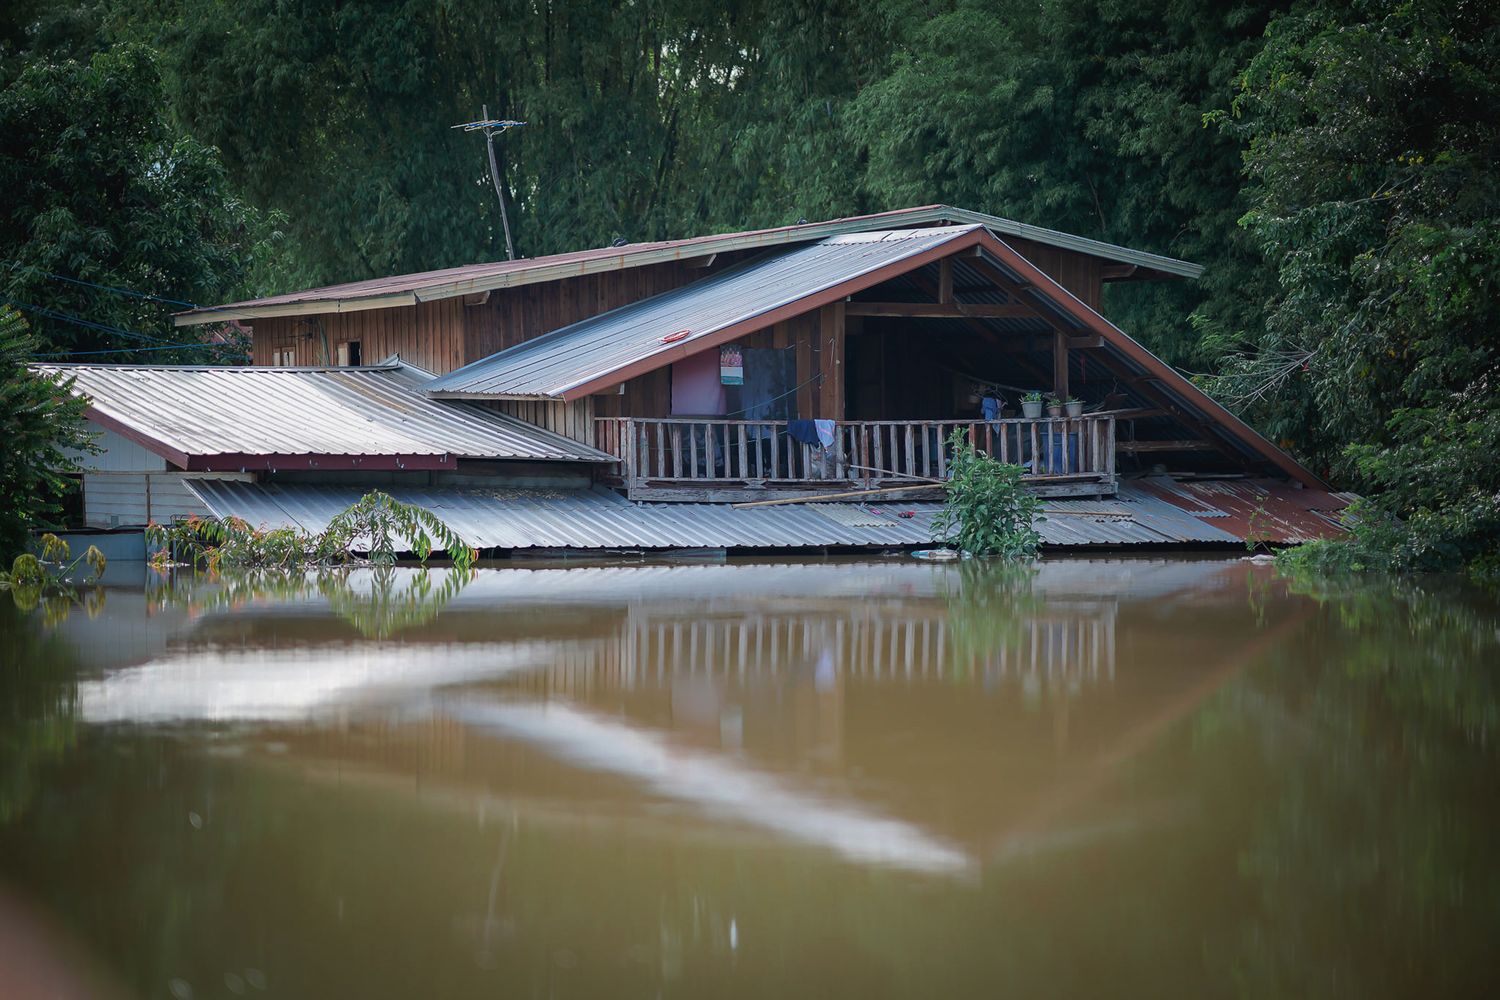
(832, 778)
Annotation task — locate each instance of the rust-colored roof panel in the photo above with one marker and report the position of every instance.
(1255, 509)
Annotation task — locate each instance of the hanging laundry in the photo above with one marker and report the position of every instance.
(805, 431)
(990, 406)
(826, 432)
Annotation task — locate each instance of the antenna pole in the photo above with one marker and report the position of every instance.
(489, 142)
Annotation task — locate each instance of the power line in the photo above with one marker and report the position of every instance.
(129, 350)
(165, 345)
(80, 321)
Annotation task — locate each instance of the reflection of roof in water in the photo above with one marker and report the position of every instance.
(894, 576)
(602, 520)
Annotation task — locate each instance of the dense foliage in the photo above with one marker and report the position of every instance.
(1332, 165)
(113, 219)
(1372, 149)
(42, 427)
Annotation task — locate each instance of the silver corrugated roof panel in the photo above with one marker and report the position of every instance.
(193, 413)
(597, 519)
(550, 365)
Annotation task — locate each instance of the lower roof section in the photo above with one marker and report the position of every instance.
(221, 419)
(1146, 513)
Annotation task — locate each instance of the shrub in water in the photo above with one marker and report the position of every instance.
(986, 509)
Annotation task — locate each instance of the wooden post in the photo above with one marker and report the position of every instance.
(807, 369)
(1060, 364)
(945, 280)
(831, 361)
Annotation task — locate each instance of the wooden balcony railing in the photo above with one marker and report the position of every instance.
(682, 458)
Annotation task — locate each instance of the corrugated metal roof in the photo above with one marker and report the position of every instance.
(1254, 509)
(520, 519)
(408, 289)
(193, 415)
(565, 359)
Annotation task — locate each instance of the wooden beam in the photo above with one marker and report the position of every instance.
(945, 280)
(939, 310)
(1085, 343)
(1136, 447)
(1115, 272)
(1134, 413)
(984, 332)
(707, 260)
(476, 298)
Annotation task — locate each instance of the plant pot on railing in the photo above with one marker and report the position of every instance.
(1074, 407)
(1031, 406)
(1054, 407)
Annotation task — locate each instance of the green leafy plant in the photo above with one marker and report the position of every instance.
(1034, 396)
(378, 525)
(378, 520)
(51, 573)
(986, 510)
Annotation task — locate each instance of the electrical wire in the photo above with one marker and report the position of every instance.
(129, 350)
(17, 265)
(101, 327)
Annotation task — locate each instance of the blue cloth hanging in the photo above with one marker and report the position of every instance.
(804, 431)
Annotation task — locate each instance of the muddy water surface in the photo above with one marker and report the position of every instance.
(837, 779)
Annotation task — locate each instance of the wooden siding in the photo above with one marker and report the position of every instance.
(428, 335)
(572, 420)
(1078, 273)
(513, 315)
(448, 333)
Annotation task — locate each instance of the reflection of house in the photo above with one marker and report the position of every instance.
(816, 700)
(796, 361)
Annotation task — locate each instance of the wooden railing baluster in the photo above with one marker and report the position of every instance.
(876, 452)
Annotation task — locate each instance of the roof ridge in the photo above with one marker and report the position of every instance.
(408, 289)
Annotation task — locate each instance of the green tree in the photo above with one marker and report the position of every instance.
(100, 187)
(42, 426)
(1082, 115)
(1371, 156)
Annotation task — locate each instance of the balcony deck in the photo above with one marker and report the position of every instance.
(710, 460)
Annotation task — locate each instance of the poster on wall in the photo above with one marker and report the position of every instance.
(731, 365)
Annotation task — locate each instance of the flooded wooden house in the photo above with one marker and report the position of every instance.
(646, 389)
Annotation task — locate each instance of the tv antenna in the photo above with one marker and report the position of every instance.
(490, 126)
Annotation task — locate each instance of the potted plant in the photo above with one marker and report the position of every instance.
(1054, 406)
(1031, 404)
(1074, 406)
